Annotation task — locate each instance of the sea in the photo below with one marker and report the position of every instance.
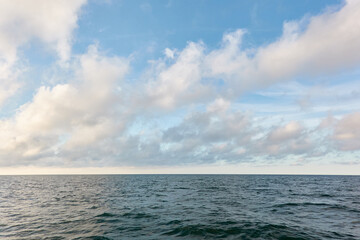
(179, 207)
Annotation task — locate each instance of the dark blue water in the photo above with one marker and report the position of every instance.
(179, 206)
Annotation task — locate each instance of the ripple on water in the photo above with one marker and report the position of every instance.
(245, 231)
(179, 206)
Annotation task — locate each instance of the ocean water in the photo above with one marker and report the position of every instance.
(180, 207)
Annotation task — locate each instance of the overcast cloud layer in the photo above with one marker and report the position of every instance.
(186, 107)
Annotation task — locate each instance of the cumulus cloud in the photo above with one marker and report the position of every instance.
(289, 131)
(321, 44)
(221, 134)
(290, 138)
(347, 132)
(70, 115)
(89, 118)
(315, 45)
(8, 83)
(50, 22)
(178, 83)
(213, 135)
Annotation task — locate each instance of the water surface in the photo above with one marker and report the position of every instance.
(179, 207)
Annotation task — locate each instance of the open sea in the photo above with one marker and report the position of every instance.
(179, 207)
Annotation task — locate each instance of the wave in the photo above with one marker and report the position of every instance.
(246, 231)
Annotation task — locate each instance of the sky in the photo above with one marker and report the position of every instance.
(170, 86)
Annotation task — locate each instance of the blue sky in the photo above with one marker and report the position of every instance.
(180, 87)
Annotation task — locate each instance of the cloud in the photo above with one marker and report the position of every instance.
(281, 134)
(222, 134)
(290, 138)
(315, 45)
(169, 53)
(50, 22)
(171, 85)
(69, 116)
(347, 132)
(89, 119)
(8, 83)
(213, 135)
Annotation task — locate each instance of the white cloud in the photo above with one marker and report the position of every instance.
(8, 83)
(87, 98)
(290, 138)
(21, 21)
(69, 115)
(285, 133)
(169, 53)
(86, 119)
(347, 132)
(179, 82)
(320, 44)
(219, 105)
(51, 22)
